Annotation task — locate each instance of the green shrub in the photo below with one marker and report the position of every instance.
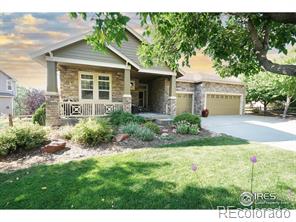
(144, 134)
(92, 132)
(24, 136)
(153, 127)
(7, 143)
(131, 128)
(120, 117)
(190, 118)
(193, 129)
(183, 127)
(66, 132)
(40, 115)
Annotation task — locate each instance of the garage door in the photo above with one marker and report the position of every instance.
(184, 103)
(223, 104)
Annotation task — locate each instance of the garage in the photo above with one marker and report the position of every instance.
(184, 102)
(223, 104)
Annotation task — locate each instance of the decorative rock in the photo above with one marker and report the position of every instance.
(164, 134)
(164, 130)
(174, 131)
(54, 146)
(121, 137)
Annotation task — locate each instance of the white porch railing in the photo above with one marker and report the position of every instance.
(87, 109)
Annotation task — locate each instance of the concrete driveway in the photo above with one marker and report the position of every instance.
(268, 130)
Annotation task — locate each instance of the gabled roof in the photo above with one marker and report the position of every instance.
(4, 73)
(127, 51)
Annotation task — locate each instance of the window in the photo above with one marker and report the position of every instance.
(104, 87)
(87, 86)
(9, 85)
(95, 86)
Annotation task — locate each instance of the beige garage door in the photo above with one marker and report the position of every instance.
(223, 104)
(184, 103)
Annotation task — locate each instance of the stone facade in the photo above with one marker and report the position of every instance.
(185, 87)
(172, 102)
(159, 95)
(127, 103)
(52, 110)
(69, 82)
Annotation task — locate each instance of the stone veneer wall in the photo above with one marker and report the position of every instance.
(69, 82)
(185, 86)
(159, 94)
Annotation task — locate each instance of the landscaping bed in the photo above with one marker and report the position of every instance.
(75, 151)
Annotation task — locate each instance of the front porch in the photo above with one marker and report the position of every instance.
(93, 91)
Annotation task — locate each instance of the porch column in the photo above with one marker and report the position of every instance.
(127, 98)
(172, 96)
(52, 96)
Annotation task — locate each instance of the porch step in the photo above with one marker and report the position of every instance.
(164, 122)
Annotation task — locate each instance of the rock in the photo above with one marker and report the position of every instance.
(174, 131)
(54, 146)
(164, 134)
(121, 137)
(164, 130)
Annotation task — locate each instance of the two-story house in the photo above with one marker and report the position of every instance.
(7, 93)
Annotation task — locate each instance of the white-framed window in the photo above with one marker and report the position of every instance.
(87, 86)
(9, 85)
(95, 86)
(104, 87)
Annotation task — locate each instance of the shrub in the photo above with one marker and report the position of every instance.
(131, 128)
(190, 118)
(193, 129)
(144, 134)
(7, 143)
(40, 115)
(92, 132)
(120, 117)
(153, 127)
(23, 136)
(66, 132)
(183, 127)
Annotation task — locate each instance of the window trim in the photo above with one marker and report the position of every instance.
(95, 86)
(9, 81)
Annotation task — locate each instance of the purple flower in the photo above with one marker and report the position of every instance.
(194, 167)
(253, 159)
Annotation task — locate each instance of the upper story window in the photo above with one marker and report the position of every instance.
(9, 85)
(87, 86)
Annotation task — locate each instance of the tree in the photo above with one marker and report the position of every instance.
(27, 101)
(238, 43)
(262, 87)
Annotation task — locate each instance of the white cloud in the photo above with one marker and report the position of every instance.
(29, 20)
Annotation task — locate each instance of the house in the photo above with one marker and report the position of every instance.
(83, 82)
(7, 93)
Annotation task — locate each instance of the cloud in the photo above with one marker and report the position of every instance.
(29, 20)
(6, 39)
(10, 41)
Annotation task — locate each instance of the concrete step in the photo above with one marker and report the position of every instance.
(164, 122)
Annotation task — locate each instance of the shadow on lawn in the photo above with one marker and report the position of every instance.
(211, 141)
(90, 184)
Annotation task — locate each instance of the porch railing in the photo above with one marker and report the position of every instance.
(87, 109)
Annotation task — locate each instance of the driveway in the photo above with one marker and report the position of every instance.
(268, 130)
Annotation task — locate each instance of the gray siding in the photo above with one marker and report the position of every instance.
(130, 49)
(6, 105)
(3, 84)
(81, 50)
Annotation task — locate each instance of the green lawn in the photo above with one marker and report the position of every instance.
(156, 178)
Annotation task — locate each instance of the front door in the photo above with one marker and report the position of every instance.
(143, 96)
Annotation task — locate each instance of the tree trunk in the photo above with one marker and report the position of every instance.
(265, 108)
(287, 104)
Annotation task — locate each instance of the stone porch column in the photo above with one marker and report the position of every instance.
(52, 96)
(127, 97)
(172, 97)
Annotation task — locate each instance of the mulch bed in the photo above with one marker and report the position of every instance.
(73, 151)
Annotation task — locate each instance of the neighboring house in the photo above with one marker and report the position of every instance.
(7, 93)
(93, 83)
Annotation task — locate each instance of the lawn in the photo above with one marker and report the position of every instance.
(156, 178)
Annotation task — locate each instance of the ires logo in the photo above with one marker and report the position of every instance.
(247, 198)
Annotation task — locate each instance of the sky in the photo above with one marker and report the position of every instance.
(24, 33)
